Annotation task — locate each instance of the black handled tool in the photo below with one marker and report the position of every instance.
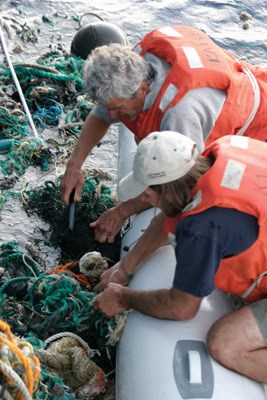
(72, 210)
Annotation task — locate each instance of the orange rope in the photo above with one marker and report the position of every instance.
(24, 361)
(32, 373)
(36, 372)
(6, 329)
(35, 361)
(66, 268)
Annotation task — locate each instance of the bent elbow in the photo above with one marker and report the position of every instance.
(184, 306)
(185, 315)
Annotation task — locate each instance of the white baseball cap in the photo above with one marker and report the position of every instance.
(161, 157)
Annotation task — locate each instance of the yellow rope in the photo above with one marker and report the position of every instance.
(24, 355)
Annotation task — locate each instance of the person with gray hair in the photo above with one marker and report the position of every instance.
(175, 79)
(214, 213)
(115, 71)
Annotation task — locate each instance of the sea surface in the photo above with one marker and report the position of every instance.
(238, 26)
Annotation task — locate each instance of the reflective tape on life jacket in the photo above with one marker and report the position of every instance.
(257, 98)
(195, 62)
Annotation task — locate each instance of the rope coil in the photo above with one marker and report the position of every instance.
(17, 354)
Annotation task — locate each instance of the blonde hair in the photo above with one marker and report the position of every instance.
(175, 195)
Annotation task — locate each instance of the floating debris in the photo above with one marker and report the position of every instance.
(245, 16)
(92, 265)
(40, 301)
(19, 366)
(96, 198)
(44, 306)
(71, 360)
(245, 25)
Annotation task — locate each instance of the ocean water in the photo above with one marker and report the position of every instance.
(238, 26)
(219, 19)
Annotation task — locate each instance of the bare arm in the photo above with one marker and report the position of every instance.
(164, 304)
(92, 132)
(153, 238)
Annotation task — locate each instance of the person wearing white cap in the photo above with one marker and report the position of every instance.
(176, 78)
(214, 207)
(159, 160)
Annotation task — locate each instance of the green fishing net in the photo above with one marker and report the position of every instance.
(73, 244)
(36, 303)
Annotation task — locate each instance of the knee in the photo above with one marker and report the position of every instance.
(220, 344)
(214, 343)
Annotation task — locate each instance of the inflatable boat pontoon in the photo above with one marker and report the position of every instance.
(168, 360)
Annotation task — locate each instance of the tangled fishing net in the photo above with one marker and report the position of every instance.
(61, 348)
(71, 359)
(96, 198)
(40, 304)
(19, 367)
(53, 90)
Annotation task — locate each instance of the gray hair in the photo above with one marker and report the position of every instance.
(115, 70)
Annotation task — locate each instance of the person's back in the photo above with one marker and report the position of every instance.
(194, 61)
(150, 92)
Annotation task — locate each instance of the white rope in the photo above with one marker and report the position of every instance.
(24, 256)
(17, 379)
(257, 98)
(253, 285)
(6, 395)
(13, 73)
(77, 337)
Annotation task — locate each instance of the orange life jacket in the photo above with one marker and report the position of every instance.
(196, 61)
(238, 180)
